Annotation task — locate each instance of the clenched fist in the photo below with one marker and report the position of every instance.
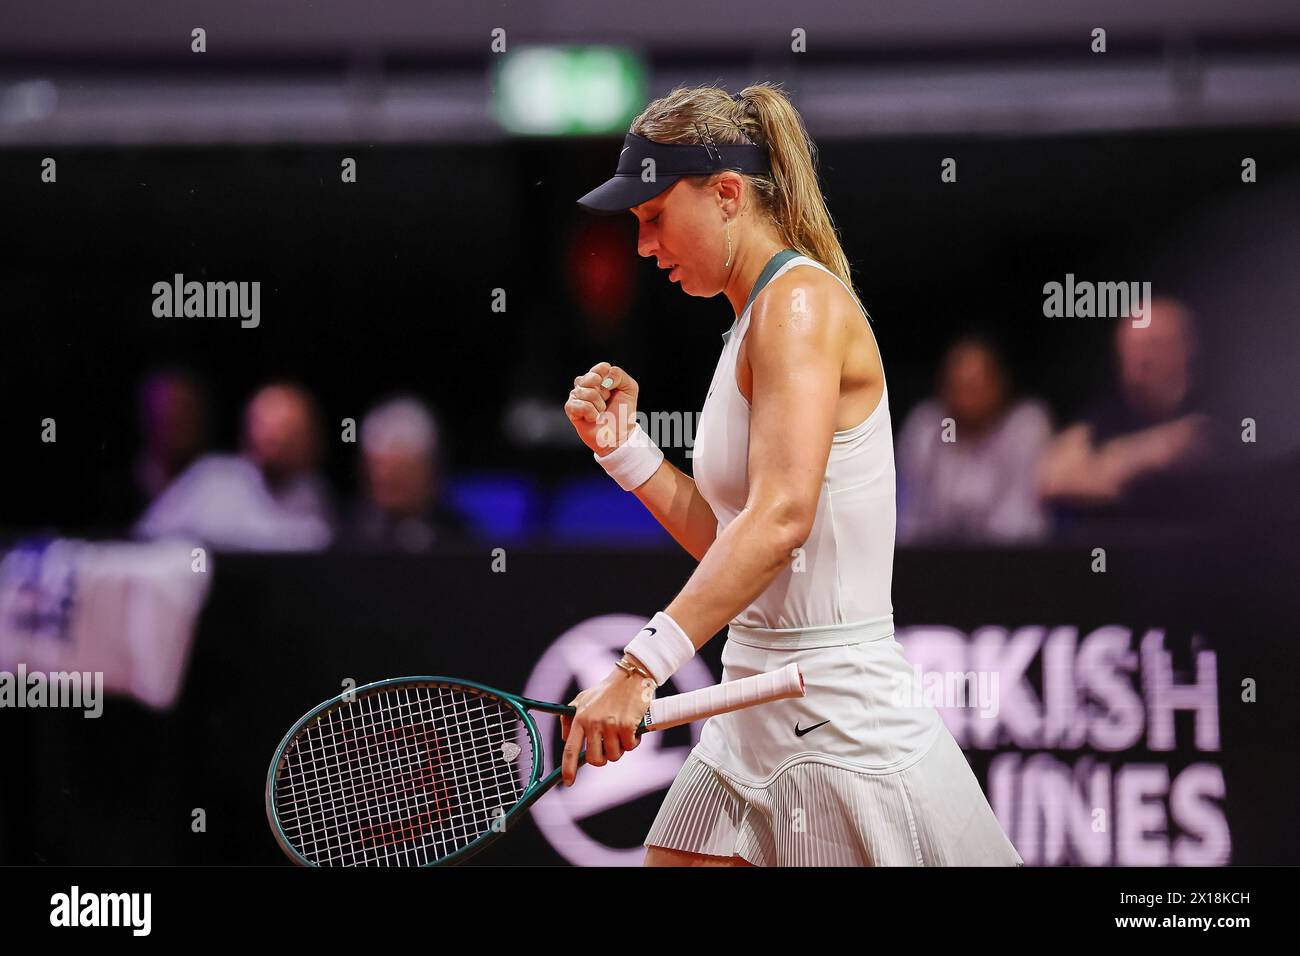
(602, 407)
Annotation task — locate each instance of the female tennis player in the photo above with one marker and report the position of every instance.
(790, 514)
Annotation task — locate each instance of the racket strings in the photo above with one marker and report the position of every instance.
(396, 782)
(402, 776)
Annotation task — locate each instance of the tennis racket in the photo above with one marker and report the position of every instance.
(423, 771)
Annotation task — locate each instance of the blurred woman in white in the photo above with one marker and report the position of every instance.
(968, 457)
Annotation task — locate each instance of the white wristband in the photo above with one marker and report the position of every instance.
(632, 463)
(662, 647)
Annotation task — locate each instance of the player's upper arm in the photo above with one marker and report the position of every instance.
(795, 343)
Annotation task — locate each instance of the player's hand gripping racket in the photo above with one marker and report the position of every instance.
(420, 771)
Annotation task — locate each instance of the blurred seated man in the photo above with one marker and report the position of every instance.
(270, 498)
(971, 480)
(401, 510)
(1131, 461)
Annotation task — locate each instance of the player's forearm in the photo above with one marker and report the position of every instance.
(746, 557)
(676, 503)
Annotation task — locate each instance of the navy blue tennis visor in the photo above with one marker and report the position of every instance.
(636, 181)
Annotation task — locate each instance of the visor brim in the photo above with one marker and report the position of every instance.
(620, 193)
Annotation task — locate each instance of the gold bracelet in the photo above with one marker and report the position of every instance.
(624, 664)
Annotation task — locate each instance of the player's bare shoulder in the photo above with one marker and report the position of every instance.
(807, 302)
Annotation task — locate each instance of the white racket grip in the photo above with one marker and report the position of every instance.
(722, 698)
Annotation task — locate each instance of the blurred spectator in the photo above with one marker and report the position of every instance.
(1132, 459)
(972, 480)
(174, 423)
(282, 438)
(401, 510)
(270, 498)
(171, 405)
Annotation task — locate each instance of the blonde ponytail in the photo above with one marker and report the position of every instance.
(791, 196)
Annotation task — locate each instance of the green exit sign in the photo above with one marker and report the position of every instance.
(552, 91)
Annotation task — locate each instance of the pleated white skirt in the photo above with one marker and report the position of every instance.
(840, 777)
(931, 814)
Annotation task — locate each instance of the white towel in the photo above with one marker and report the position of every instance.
(126, 610)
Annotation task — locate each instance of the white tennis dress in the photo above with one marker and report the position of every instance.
(853, 773)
